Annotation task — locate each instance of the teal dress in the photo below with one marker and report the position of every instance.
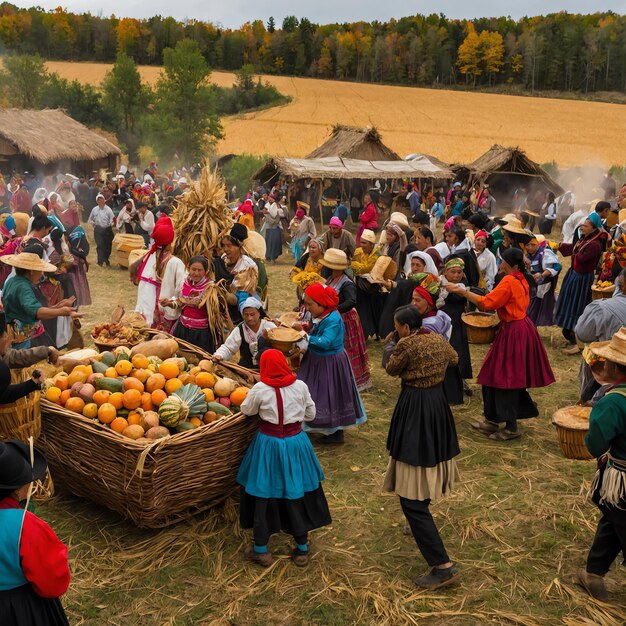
(20, 307)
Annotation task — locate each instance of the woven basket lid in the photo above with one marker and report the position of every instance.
(284, 334)
(573, 417)
(478, 319)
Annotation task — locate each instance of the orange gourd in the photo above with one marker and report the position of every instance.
(140, 362)
(205, 380)
(169, 370)
(75, 404)
(123, 368)
(238, 395)
(132, 383)
(156, 381)
(173, 384)
(101, 396)
(117, 400)
(158, 395)
(132, 399)
(146, 401)
(119, 424)
(107, 413)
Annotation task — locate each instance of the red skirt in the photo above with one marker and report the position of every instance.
(356, 348)
(516, 359)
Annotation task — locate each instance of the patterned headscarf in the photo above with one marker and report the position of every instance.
(456, 262)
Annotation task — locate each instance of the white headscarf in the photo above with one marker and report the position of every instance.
(39, 195)
(429, 264)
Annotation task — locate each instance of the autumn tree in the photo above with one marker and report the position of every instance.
(128, 37)
(184, 123)
(469, 53)
(491, 49)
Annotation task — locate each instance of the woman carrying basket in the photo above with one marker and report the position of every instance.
(517, 359)
(280, 476)
(607, 441)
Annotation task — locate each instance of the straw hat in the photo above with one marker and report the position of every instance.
(255, 245)
(302, 205)
(335, 259)
(400, 219)
(368, 235)
(384, 269)
(28, 261)
(514, 225)
(613, 350)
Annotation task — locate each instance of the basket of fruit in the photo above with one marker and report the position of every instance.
(156, 435)
(602, 289)
(572, 426)
(481, 327)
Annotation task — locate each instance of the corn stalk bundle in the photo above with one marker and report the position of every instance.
(214, 300)
(201, 217)
(247, 280)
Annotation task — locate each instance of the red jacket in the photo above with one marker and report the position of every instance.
(369, 217)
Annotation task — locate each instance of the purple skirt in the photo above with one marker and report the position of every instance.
(332, 386)
(541, 310)
(516, 359)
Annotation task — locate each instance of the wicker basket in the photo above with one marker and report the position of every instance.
(599, 293)
(153, 485)
(572, 425)
(124, 244)
(481, 327)
(283, 339)
(21, 419)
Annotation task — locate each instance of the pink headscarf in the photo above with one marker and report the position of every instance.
(335, 221)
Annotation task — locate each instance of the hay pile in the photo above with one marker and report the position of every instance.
(201, 217)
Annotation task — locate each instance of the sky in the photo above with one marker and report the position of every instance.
(233, 13)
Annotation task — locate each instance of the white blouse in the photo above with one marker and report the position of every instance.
(298, 406)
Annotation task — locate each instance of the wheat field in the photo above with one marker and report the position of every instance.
(454, 126)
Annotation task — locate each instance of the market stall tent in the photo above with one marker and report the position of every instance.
(50, 141)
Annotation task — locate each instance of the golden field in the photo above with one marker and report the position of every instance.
(454, 126)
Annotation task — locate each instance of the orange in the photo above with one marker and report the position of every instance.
(77, 376)
(117, 399)
(158, 395)
(132, 398)
(196, 422)
(90, 410)
(123, 368)
(111, 373)
(173, 384)
(132, 383)
(53, 394)
(206, 380)
(75, 404)
(209, 396)
(238, 395)
(146, 401)
(119, 424)
(60, 381)
(141, 375)
(65, 395)
(106, 413)
(135, 417)
(169, 370)
(156, 381)
(101, 396)
(140, 362)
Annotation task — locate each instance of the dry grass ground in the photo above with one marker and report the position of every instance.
(519, 526)
(455, 126)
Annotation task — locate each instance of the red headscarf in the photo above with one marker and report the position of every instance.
(275, 371)
(324, 296)
(163, 235)
(246, 207)
(420, 291)
(481, 233)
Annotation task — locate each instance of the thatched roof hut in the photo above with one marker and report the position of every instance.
(505, 169)
(352, 142)
(50, 141)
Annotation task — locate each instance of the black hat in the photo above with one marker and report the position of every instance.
(239, 232)
(478, 219)
(15, 468)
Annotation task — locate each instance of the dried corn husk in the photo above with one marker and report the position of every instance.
(247, 280)
(201, 217)
(217, 311)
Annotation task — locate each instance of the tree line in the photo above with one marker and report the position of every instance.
(179, 119)
(561, 51)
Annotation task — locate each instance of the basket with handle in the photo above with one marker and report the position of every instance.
(481, 327)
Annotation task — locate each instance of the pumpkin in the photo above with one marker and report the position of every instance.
(146, 401)
(238, 396)
(108, 358)
(77, 376)
(224, 387)
(65, 396)
(107, 413)
(135, 417)
(173, 411)
(141, 375)
(61, 381)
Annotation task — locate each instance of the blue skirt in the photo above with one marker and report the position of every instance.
(280, 468)
(574, 296)
(274, 243)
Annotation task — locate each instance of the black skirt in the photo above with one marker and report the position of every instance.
(369, 305)
(294, 517)
(400, 295)
(200, 337)
(453, 385)
(422, 431)
(503, 405)
(455, 307)
(23, 607)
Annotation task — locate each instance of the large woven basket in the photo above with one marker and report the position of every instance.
(153, 485)
(572, 426)
(124, 244)
(481, 327)
(21, 419)
(599, 293)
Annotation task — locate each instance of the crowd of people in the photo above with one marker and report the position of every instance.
(405, 279)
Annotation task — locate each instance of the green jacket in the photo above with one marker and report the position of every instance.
(607, 424)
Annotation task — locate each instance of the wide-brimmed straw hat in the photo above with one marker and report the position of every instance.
(368, 235)
(613, 350)
(335, 259)
(400, 219)
(255, 245)
(28, 261)
(514, 225)
(302, 205)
